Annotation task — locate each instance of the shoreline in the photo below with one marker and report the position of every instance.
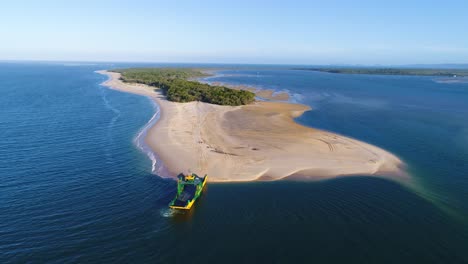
(140, 139)
(256, 142)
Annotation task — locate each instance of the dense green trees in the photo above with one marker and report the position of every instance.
(178, 87)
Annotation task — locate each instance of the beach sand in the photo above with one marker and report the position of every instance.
(260, 141)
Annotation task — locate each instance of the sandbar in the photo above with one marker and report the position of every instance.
(255, 142)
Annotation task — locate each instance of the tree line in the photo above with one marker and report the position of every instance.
(177, 86)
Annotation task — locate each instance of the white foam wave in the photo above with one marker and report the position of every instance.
(140, 140)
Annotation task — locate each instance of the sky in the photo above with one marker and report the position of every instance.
(272, 32)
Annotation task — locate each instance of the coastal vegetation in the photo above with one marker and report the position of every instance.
(179, 85)
(393, 71)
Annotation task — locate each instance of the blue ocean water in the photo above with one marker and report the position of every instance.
(75, 187)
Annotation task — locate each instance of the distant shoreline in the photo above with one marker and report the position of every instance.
(391, 71)
(259, 141)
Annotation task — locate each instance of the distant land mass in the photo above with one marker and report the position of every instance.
(449, 66)
(391, 71)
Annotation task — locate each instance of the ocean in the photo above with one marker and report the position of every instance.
(77, 184)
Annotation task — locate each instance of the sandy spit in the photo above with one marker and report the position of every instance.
(260, 141)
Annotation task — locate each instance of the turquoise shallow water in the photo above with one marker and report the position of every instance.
(75, 187)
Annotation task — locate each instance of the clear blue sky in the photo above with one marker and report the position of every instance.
(303, 32)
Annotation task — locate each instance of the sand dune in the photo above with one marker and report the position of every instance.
(260, 141)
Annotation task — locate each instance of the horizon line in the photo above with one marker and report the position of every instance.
(230, 63)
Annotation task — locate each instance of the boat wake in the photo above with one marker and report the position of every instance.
(168, 212)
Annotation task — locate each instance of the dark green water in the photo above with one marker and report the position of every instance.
(75, 187)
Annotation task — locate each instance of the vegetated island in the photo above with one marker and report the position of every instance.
(178, 87)
(239, 139)
(392, 71)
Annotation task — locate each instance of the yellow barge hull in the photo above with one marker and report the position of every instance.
(189, 188)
